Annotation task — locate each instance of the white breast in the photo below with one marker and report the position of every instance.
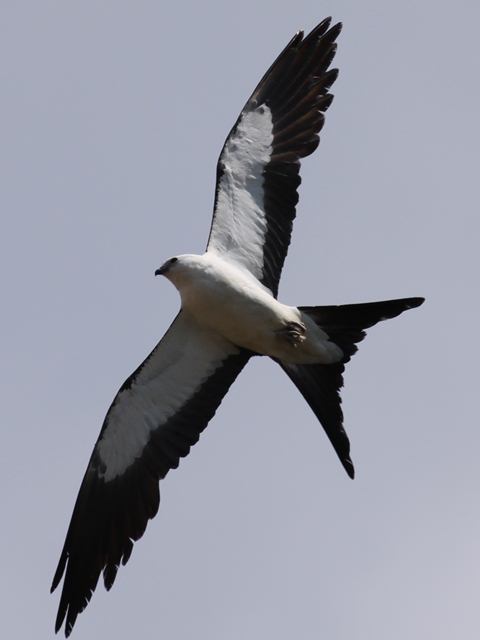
(231, 301)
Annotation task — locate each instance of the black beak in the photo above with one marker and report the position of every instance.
(160, 271)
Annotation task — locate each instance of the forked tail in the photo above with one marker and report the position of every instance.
(320, 384)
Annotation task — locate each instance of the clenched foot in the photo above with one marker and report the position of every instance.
(293, 332)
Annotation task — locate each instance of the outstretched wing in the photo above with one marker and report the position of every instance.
(258, 168)
(157, 415)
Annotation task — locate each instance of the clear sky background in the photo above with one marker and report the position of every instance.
(113, 115)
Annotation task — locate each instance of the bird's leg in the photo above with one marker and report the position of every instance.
(292, 332)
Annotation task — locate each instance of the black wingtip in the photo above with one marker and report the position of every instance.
(321, 27)
(329, 78)
(337, 29)
(59, 571)
(296, 40)
(58, 623)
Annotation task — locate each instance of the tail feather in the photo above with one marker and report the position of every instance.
(345, 324)
(320, 384)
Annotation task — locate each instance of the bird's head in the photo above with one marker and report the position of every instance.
(180, 269)
(167, 267)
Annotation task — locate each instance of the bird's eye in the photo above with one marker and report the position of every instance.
(172, 260)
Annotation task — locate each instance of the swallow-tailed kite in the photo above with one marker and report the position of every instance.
(229, 313)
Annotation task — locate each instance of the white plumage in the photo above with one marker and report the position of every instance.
(240, 226)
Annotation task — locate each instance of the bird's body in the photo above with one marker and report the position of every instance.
(229, 314)
(231, 302)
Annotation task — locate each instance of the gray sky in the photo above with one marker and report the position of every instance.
(113, 115)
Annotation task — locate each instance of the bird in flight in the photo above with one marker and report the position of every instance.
(229, 314)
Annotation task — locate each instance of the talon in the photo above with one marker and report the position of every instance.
(293, 332)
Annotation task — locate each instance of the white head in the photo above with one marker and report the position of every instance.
(180, 270)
